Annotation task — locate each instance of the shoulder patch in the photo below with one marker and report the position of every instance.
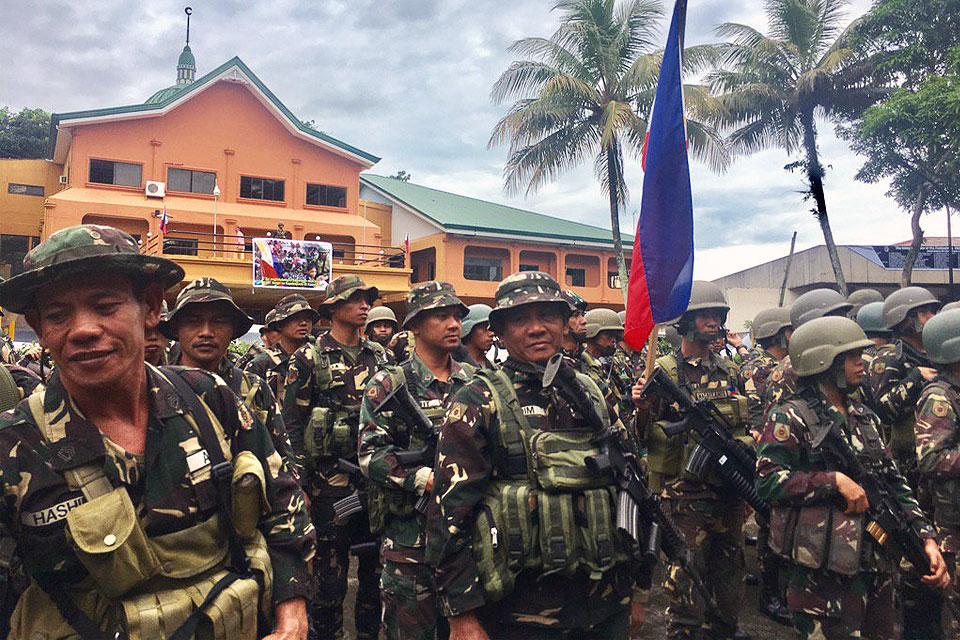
(878, 366)
(940, 408)
(456, 411)
(776, 375)
(781, 432)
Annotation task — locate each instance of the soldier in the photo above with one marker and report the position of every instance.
(710, 517)
(203, 322)
(938, 438)
(627, 360)
(476, 338)
(321, 408)
(870, 319)
(293, 319)
(381, 325)
(604, 331)
(144, 501)
(268, 336)
(862, 297)
(496, 577)
(575, 333)
(832, 594)
(409, 597)
(401, 346)
(156, 345)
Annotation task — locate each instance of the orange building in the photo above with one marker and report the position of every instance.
(226, 161)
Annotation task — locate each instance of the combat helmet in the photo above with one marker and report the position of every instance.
(941, 337)
(769, 324)
(704, 295)
(870, 319)
(817, 304)
(602, 320)
(816, 344)
(478, 314)
(623, 316)
(380, 313)
(901, 302)
(950, 306)
(861, 297)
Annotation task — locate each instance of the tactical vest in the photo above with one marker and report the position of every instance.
(543, 510)
(149, 586)
(385, 502)
(247, 393)
(945, 492)
(902, 437)
(822, 536)
(667, 458)
(332, 431)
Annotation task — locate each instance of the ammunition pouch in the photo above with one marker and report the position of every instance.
(384, 503)
(819, 537)
(331, 433)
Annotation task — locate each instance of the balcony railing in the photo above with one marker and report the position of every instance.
(236, 248)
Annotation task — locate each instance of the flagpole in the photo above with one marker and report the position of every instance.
(651, 352)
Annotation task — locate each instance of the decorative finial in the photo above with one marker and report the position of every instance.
(189, 12)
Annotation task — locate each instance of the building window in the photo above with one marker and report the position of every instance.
(12, 251)
(477, 268)
(190, 181)
(180, 246)
(24, 189)
(324, 195)
(261, 189)
(529, 267)
(576, 277)
(125, 174)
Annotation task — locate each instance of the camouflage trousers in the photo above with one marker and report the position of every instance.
(713, 531)
(616, 627)
(330, 567)
(410, 607)
(829, 606)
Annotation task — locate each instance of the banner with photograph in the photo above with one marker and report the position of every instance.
(279, 263)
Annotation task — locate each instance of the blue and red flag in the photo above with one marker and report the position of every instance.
(661, 270)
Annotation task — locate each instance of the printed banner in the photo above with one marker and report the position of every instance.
(279, 263)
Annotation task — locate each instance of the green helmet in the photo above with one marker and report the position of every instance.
(817, 304)
(861, 297)
(381, 313)
(623, 316)
(941, 337)
(870, 319)
(478, 314)
(901, 302)
(703, 296)
(950, 306)
(769, 322)
(602, 320)
(817, 343)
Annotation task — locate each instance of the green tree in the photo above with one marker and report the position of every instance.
(913, 137)
(587, 91)
(774, 87)
(24, 134)
(402, 176)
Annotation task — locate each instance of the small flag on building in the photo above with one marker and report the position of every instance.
(406, 250)
(164, 219)
(661, 270)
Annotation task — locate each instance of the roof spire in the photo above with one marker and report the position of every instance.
(187, 65)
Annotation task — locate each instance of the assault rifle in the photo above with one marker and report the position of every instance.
(885, 517)
(734, 461)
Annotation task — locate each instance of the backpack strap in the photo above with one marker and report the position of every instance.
(9, 392)
(513, 460)
(322, 374)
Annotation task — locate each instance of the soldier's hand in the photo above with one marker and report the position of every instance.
(638, 614)
(640, 401)
(853, 493)
(429, 486)
(927, 373)
(734, 339)
(939, 577)
(466, 627)
(291, 618)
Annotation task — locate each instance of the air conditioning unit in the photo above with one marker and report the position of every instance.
(155, 189)
(63, 179)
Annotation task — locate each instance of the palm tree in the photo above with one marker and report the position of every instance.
(586, 92)
(774, 87)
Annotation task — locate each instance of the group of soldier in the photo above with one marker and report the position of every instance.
(156, 486)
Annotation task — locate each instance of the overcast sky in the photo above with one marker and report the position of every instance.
(409, 80)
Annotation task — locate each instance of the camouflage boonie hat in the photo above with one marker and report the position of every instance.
(268, 320)
(202, 291)
(81, 249)
(291, 305)
(575, 300)
(432, 295)
(343, 287)
(527, 287)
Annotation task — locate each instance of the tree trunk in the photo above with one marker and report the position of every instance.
(815, 177)
(614, 180)
(918, 206)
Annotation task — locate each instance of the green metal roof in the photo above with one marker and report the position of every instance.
(186, 58)
(454, 212)
(165, 94)
(164, 100)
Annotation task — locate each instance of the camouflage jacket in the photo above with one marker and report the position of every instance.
(401, 346)
(938, 454)
(382, 434)
(25, 379)
(342, 396)
(8, 355)
(464, 471)
(271, 365)
(753, 379)
(895, 385)
(791, 472)
(168, 497)
(781, 384)
(255, 349)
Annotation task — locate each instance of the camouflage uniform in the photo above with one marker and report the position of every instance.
(254, 350)
(321, 408)
(272, 364)
(8, 354)
(753, 379)
(827, 603)
(401, 346)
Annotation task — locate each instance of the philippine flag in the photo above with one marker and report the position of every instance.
(661, 269)
(270, 267)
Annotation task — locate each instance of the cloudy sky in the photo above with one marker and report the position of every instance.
(409, 80)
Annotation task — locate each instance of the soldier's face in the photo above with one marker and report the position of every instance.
(924, 314)
(438, 329)
(853, 368)
(606, 342)
(533, 332)
(577, 325)
(353, 311)
(155, 343)
(270, 337)
(381, 331)
(297, 327)
(93, 326)
(481, 337)
(204, 332)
